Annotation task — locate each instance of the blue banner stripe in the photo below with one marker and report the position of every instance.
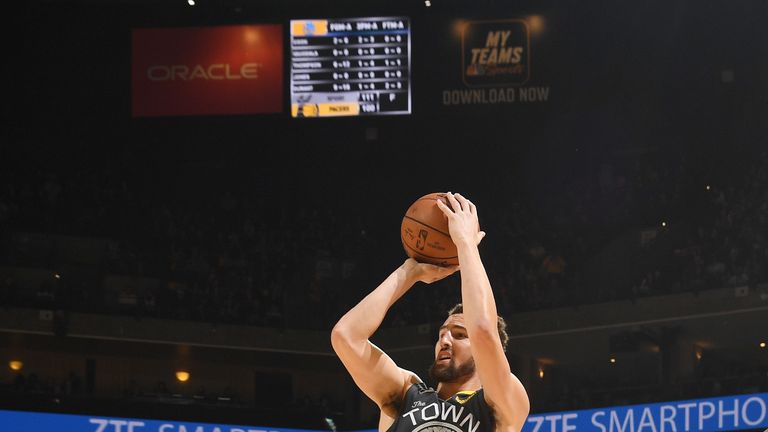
(22, 421)
(728, 413)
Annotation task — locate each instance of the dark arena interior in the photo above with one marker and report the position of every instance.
(178, 237)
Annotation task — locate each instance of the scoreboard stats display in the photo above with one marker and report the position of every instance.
(350, 67)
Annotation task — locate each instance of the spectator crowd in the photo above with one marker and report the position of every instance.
(222, 258)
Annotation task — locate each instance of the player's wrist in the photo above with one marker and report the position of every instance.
(409, 272)
(465, 242)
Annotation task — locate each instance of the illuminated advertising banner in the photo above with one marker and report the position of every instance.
(495, 53)
(22, 421)
(207, 70)
(491, 63)
(728, 413)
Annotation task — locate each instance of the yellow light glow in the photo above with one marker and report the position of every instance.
(535, 24)
(15, 365)
(613, 360)
(182, 376)
(762, 344)
(458, 28)
(541, 373)
(252, 36)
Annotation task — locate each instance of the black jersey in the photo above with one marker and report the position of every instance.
(424, 411)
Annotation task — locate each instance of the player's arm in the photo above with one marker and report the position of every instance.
(503, 391)
(373, 370)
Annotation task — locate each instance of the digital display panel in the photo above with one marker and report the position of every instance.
(350, 67)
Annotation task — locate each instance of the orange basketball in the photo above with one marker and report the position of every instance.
(424, 232)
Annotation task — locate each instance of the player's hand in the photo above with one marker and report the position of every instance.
(463, 224)
(426, 273)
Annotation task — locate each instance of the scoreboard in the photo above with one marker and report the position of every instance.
(350, 67)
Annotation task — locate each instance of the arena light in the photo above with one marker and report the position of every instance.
(762, 344)
(182, 376)
(613, 360)
(541, 373)
(427, 3)
(535, 24)
(191, 2)
(16, 365)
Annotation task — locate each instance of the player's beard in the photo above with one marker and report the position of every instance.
(450, 372)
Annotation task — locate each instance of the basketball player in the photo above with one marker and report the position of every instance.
(476, 392)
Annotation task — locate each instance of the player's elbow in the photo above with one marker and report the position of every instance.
(342, 336)
(339, 336)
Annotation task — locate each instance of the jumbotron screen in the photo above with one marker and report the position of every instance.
(350, 67)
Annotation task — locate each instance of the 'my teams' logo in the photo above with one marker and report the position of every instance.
(495, 53)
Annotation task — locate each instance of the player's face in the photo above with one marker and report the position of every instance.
(453, 356)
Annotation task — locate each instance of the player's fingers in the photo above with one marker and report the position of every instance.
(444, 208)
(463, 201)
(472, 208)
(454, 202)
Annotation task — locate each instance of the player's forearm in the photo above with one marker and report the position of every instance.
(476, 293)
(363, 319)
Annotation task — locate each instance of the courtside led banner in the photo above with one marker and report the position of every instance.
(23, 421)
(207, 70)
(728, 413)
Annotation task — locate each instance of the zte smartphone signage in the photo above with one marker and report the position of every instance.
(727, 413)
(350, 67)
(207, 70)
(22, 421)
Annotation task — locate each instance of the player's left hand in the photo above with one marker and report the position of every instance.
(463, 223)
(427, 273)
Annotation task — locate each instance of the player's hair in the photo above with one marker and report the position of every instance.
(500, 324)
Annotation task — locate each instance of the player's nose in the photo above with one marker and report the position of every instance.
(445, 340)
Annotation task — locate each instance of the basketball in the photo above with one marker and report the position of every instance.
(424, 232)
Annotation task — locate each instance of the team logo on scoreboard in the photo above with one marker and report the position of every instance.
(495, 53)
(309, 28)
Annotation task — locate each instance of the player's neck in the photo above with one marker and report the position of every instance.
(447, 389)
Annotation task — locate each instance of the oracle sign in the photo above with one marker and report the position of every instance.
(214, 72)
(207, 70)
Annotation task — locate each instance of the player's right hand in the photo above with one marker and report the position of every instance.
(463, 223)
